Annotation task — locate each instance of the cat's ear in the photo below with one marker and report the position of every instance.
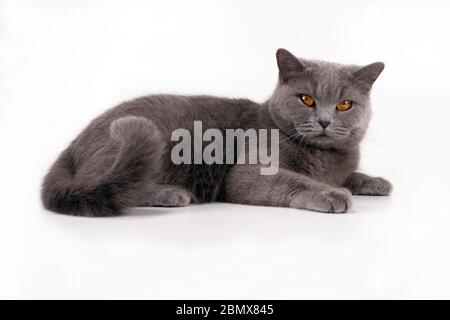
(288, 65)
(367, 75)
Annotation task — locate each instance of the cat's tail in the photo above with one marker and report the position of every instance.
(138, 160)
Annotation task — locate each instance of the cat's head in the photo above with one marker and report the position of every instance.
(321, 103)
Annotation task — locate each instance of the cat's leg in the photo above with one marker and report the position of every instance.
(361, 184)
(246, 185)
(164, 195)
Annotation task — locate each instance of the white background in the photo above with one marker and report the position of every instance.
(65, 62)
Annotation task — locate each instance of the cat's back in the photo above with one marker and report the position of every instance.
(168, 112)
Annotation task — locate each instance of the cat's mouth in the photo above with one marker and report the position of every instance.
(320, 135)
(324, 137)
(323, 134)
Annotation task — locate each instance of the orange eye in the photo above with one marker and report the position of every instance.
(344, 105)
(307, 100)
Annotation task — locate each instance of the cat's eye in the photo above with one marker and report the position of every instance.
(307, 100)
(344, 105)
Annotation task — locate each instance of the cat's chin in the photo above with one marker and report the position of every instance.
(324, 140)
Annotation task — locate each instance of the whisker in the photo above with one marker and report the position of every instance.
(369, 138)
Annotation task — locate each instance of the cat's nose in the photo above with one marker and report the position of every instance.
(324, 123)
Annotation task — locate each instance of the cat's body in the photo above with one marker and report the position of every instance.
(123, 158)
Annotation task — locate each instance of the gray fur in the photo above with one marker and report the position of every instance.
(122, 159)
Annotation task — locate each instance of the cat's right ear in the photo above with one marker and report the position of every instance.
(367, 75)
(288, 65)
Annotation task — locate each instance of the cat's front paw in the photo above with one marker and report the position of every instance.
(374, 187)
(174, 199)
(330, 201)
(168, 197)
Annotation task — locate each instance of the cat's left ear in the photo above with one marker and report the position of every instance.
(367, 75)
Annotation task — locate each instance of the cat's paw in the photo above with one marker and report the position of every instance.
(374, 187)
(176, 199)
(330, 201)
(169, 197)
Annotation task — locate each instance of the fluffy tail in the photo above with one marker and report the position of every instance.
(137, 161)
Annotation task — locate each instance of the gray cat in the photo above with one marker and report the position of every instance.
(322, 110)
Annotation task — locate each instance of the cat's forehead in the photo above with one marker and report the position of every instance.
(328, 79)
(328, 70)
